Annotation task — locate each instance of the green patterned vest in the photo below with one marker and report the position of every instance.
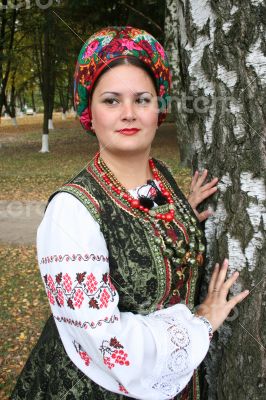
(144, 277)
(143, 270)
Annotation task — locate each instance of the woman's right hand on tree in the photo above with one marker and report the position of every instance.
(215, 307)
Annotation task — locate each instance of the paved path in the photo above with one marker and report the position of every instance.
(19, 221)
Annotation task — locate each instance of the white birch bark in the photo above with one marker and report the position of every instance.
(224, 71)
(50, 124)
(45, 144)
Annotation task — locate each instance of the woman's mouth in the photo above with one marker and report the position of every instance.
(128, 132)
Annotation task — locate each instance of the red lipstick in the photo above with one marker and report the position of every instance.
(130, 131)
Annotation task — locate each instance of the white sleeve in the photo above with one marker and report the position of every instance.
(143, 357)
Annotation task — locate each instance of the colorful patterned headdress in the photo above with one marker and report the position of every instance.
(117, 42)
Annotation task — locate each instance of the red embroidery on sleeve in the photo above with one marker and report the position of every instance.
(85, 357)
(86, 325)
(67, 282)
(62, 290)
(91, 283)
(122, 388)
(75, 257)
(113, 353)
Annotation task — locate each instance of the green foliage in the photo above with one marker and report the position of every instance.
(70, 23)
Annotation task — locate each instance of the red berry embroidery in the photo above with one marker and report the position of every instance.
(78, 298)
(91, 283)
(85, 357)
(50, 297)
(71, 292)
(122, 389)
(104, 299)
(50, 283)
(67, 283)
(113, 353)
(60, 297)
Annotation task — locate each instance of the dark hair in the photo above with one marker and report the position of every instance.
(129, 60)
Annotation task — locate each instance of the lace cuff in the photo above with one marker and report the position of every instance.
(174, 367)
(207, 323)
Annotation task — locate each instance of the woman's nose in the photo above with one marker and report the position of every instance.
(128, 112)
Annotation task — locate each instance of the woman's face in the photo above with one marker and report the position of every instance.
(124, 98)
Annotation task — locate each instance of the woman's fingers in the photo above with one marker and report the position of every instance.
(213, 278)
(210, 184)
(230, 281)
(201, 178)
(194, 180)
(206, 193)
(222, 275)
(198, 179)
(216, 307)
(237, 299)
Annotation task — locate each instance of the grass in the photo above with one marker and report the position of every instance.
(27, 174)
(23, 311)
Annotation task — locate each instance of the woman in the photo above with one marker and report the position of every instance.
(120, 249)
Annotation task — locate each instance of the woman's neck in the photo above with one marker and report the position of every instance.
(130, 170)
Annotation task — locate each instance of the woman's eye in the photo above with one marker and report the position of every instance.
(143, 100)
(110, 101)
(113, 101)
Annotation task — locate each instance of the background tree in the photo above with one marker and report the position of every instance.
(222, 66)
(8, 19)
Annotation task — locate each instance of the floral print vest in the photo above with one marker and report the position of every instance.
(144, 277)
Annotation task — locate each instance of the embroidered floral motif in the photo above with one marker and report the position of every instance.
(50, 297)
(78, 298)
(122, 388)
(60, 298)
(85, 357)
(113, 353)
(62, 289)
(75, 257)
(86, 325)
(67, 281)
(91, 283)
(104, 299)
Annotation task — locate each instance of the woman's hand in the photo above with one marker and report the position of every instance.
(215, 307)
(199, 192)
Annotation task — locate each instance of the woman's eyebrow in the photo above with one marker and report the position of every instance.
(119, 94)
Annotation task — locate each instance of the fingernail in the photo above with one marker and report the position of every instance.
(246, 291)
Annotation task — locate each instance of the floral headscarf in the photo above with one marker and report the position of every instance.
(117, 42)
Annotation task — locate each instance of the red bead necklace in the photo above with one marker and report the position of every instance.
(116, 187)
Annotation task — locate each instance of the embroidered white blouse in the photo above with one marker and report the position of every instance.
(148, 357)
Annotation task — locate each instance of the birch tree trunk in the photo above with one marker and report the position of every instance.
(221, 48)
(175, 41)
